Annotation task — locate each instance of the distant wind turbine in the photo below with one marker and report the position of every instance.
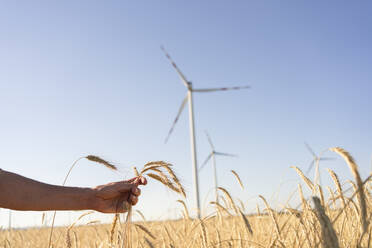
(188, 99)
(212, 156)
(316, 160)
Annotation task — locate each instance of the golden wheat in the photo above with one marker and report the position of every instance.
(92, 158)
(227, 226)
(237, 178)
(308, 182)
(329, 237)
(361, 198)
(99, 160)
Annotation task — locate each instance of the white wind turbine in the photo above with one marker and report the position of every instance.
(188, 99)
(212, 156)
(316, 161)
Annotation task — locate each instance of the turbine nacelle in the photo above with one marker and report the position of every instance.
(213, 153)
(189, 86)
(315, 161)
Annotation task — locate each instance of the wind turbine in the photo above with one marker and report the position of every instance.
(316, 161)
(188, 99)
(212, 156)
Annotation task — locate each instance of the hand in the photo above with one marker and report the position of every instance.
(111, 198)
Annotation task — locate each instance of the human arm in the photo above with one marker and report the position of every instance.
(21, 193)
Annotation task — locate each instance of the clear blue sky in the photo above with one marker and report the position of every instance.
(88, 77)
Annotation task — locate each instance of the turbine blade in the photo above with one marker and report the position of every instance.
(206, 161)
(209, 140)
(177, 117)
(310, 167)
(221, 89)
(225, 154)
(310, 150)
(326, 158)
(184, 80)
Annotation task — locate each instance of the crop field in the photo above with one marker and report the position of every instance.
(337, 216)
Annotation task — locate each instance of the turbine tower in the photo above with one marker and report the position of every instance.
(188, 99)
(212, 156)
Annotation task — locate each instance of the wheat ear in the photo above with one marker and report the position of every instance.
(145, 230)
(271, 212)
(336, 181)
(184, 208)
(308, 182)
(361, 197)
(91, 158)
(237, 178)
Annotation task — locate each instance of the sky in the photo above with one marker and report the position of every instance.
(89, 77)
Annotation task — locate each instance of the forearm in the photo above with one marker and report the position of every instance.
(20, 193)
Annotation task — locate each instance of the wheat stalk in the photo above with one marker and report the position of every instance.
(304, 178)
(184, 208)
(320, 190)
(228, 196)
(141, 214)
(92, 158)
(303, 200)
(336, 181)
(271, 212)
(148, 242)
(99, 160)
(246, 222)
(238, 178)
(113, 226)
(93, 222)
(68, 237)
(136, 172)
(204, 234)
(127, 229)
(145, 230)
(361, 197)
(154, 164)
(332, 198)
(329, 237)
(176, 180)
(165, 181)
(220, 207)
(171, 181)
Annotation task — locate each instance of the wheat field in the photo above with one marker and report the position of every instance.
(336, 216)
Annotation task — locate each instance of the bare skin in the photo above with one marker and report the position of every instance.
(21, 193)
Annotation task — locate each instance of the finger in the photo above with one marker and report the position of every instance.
(132, 180)
(124, 187)
(143, 181)
(133, 200)
(136, 191)
(140, 180)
